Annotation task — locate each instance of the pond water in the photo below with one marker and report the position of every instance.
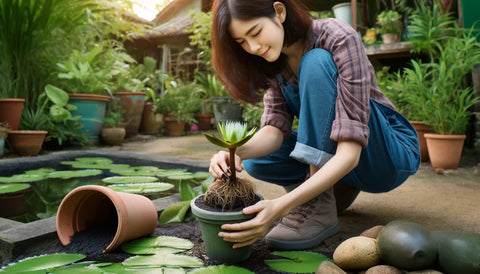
(51, 181)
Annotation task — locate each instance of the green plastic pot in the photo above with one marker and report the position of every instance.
(91, 108)
(210, 223)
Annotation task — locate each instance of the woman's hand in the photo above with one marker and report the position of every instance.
(219, 164)
(246, 233)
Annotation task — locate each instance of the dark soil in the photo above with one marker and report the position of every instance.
(94, 240)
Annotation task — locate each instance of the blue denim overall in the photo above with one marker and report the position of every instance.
(392, 153)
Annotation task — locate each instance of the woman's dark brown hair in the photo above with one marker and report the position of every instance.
(243, 74)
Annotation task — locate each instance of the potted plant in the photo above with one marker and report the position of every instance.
(389, 24)
(85, 76)
(225, 108)
(224, 200)
(113, 129)
(177, 104)
(445, 102)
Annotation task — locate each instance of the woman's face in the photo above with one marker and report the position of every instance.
(261, 36)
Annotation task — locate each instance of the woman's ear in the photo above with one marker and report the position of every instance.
(280, 11)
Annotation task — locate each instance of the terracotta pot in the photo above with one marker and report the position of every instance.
(91, 108)
(210, 224)
(26, 142)
(421, 128)
(90, 205)
(13, 204)
(174, 127)
(204, 121)
(11, 112)
(151, 121)
(390, 38)
(445, 151)
(113, 136)
(132, 104)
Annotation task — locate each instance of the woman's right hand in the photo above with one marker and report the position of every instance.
(220, 164)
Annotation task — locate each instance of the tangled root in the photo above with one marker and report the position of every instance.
(229, 195)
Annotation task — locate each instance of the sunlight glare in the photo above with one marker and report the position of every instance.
(147, 9)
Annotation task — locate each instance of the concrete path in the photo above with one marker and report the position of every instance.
(439, 202)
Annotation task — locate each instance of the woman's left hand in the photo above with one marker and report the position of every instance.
(248, 232)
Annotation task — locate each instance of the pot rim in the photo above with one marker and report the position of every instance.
(219, 215)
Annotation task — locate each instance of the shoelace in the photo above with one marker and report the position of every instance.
(298, 215)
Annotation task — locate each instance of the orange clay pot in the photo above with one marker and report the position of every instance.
(91, 204)
(445, 151)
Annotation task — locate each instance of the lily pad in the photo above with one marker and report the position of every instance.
(43, 262)
(10, 188)
(296, 261)
(163, 260)
(142, 188)
(157, 245)
(78, 268)
(94, 160)
(68, 174)
(221, 269)
(119, 268)
(99, 166)
(201, 175)
(129, 179)
(163, 173)
(136, 171)
(41, 171)
(22, 178)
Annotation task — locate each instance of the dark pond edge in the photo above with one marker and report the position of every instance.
(16, 236)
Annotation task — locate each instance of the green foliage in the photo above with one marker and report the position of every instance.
(157, 245)
(211, 85)
(389, 22)
(180, 100)
(42, 263)
(234, 134)
(252, 114)
(68, 174)
(129, 179)
(163, 260)
(296, 261)
(200, 37)
(142, 188)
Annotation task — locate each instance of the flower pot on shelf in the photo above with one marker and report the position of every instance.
(421, 128)
(204, 121)
(113, 136)
(174, 127)
(11, 112)
(132, 103)
(211, 221)
(91, 108)
(444, 151)
(26, 142)
(390, 38)
(90, 205)
(151, 121)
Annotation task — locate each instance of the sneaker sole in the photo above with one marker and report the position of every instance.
(303, 244)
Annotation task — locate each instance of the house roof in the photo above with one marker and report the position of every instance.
(170, 11)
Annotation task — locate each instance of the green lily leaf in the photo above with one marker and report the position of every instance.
(68, 174)
(136, 171)
(100, 166)
(174, 213)
(82, 267)
(94, 160)
(216, 141)
(43, 262)
(163, 260)
(129, 179)
(22, 178)
(119, 268)
(201, 175)
(10, 188)
(181, 177)
(186, 191)
(164, 173)
(40, 172)
(157, 245)
(297, 261)
(221, 269)
(141, 188)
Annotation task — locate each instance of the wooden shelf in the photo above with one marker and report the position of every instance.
(395, 50)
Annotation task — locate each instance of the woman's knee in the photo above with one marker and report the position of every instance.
(317, 65)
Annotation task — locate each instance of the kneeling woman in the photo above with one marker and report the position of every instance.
(350, 137)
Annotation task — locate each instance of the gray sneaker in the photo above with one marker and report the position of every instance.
(307, 225)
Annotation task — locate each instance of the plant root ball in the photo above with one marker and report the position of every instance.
(230, 195)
